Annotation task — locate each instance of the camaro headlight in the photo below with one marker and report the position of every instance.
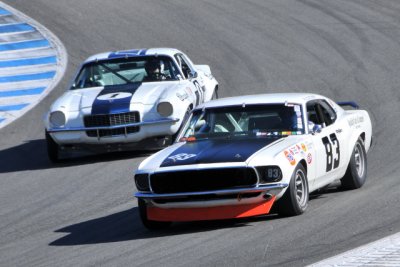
(142, 182)
(57, 118)
(269, 174)
(165, 109)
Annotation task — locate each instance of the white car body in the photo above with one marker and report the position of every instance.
(107, 100)
(323, 151)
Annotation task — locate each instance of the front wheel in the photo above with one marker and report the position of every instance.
(52, 148)
(149, 224)
(295, 200)
(356, 172)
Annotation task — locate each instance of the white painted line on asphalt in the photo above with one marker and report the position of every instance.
(20, 37)
(8, 20)
(27, 69)
(47, 51)
(384, 252)
(24, 84)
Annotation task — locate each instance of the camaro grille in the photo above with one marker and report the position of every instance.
(112, 120)
(202, 180)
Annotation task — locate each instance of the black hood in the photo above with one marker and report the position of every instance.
(216, 151)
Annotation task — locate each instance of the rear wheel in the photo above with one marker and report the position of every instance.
(295, 200)
(53, 150)
(356, 173)
(149, 224)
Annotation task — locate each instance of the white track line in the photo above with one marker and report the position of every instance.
(384, 252)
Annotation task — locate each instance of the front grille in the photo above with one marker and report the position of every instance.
(112, 120)
(202, 180)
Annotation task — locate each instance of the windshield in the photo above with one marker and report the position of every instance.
(126, 70)
(250, 121)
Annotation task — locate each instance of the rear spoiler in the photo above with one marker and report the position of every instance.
(348, 103)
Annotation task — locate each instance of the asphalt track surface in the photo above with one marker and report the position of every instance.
(82, 212)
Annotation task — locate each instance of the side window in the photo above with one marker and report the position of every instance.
(183, 65)
(328, 113)
(312, 113)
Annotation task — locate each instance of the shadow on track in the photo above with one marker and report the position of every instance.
(32, 155)
(126, 225)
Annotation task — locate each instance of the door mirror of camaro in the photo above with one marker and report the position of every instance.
(192, 74)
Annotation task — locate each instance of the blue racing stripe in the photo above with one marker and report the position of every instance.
(4, 12)
(13, 107)
(21, 27)
(112, 104)
(22, 92)
(25, 45)
(28, 77)
(28, 62)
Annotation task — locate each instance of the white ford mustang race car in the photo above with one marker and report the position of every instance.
(237, 157)
(124, 100)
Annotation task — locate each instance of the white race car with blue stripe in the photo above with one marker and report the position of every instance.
(238, 157)
(126, 100)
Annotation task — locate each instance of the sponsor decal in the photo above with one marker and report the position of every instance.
(356, 120)
(290, 157)
(303, 146)
(182, 156)
(309, 158)
(183, 96)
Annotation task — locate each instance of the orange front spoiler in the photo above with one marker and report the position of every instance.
(209, 213)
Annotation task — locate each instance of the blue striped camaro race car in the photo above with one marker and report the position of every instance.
(127, 100)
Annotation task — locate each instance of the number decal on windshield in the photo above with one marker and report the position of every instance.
(331, 161)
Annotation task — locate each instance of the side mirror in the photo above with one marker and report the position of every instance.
(193, 74)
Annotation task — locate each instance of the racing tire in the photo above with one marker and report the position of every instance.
(295, 199)
(149, 224)
(53, 151)
(356, 173)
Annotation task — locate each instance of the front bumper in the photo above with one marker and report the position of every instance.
(75, 136)
(111, 127)
(210, 213)
(211, 205)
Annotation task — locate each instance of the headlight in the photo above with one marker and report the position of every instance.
(57, 119)
(142, 182)
(165, 109)
(269, 174)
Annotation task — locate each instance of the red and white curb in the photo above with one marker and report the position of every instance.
(384, 252)
(32, 62)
